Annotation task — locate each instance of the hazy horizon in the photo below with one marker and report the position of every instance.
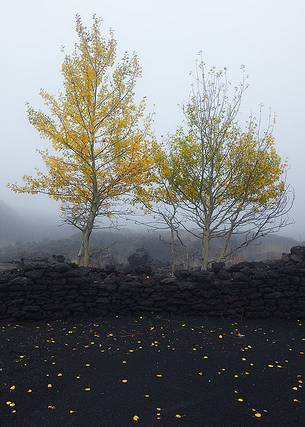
(167, 36)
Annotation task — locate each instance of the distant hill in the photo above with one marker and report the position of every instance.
(16, 227)
(12, 225)
(268, 248)
(115, 247)
(22, 236)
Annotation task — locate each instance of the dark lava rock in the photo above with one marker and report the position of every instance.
(201, 276)
(143, 269)
(216, 267)
(182, 274)
(139, 260)
(298, 251)
(168, 280)
(19, 281)
(58, 258)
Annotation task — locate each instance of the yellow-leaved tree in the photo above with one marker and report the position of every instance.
(99, 135)
(229, 183)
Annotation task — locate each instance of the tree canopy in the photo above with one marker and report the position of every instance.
(100, 137)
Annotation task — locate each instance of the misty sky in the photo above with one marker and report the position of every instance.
(267, 36)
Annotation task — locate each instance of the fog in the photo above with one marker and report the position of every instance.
(267, 37)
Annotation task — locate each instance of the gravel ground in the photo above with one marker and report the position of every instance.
(150, 370)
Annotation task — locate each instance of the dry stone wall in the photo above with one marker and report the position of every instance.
(56, 290)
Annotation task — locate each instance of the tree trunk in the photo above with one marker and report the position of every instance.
(205, 250)
(187, 258)
(222, 256)
(86, 240)
(83, 257)
(173, 252)
(80, 255)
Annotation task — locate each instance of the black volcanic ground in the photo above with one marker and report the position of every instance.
(153, 371)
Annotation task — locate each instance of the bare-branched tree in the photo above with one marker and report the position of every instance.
(229, 182)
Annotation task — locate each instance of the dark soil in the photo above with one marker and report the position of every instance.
(179, 371)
